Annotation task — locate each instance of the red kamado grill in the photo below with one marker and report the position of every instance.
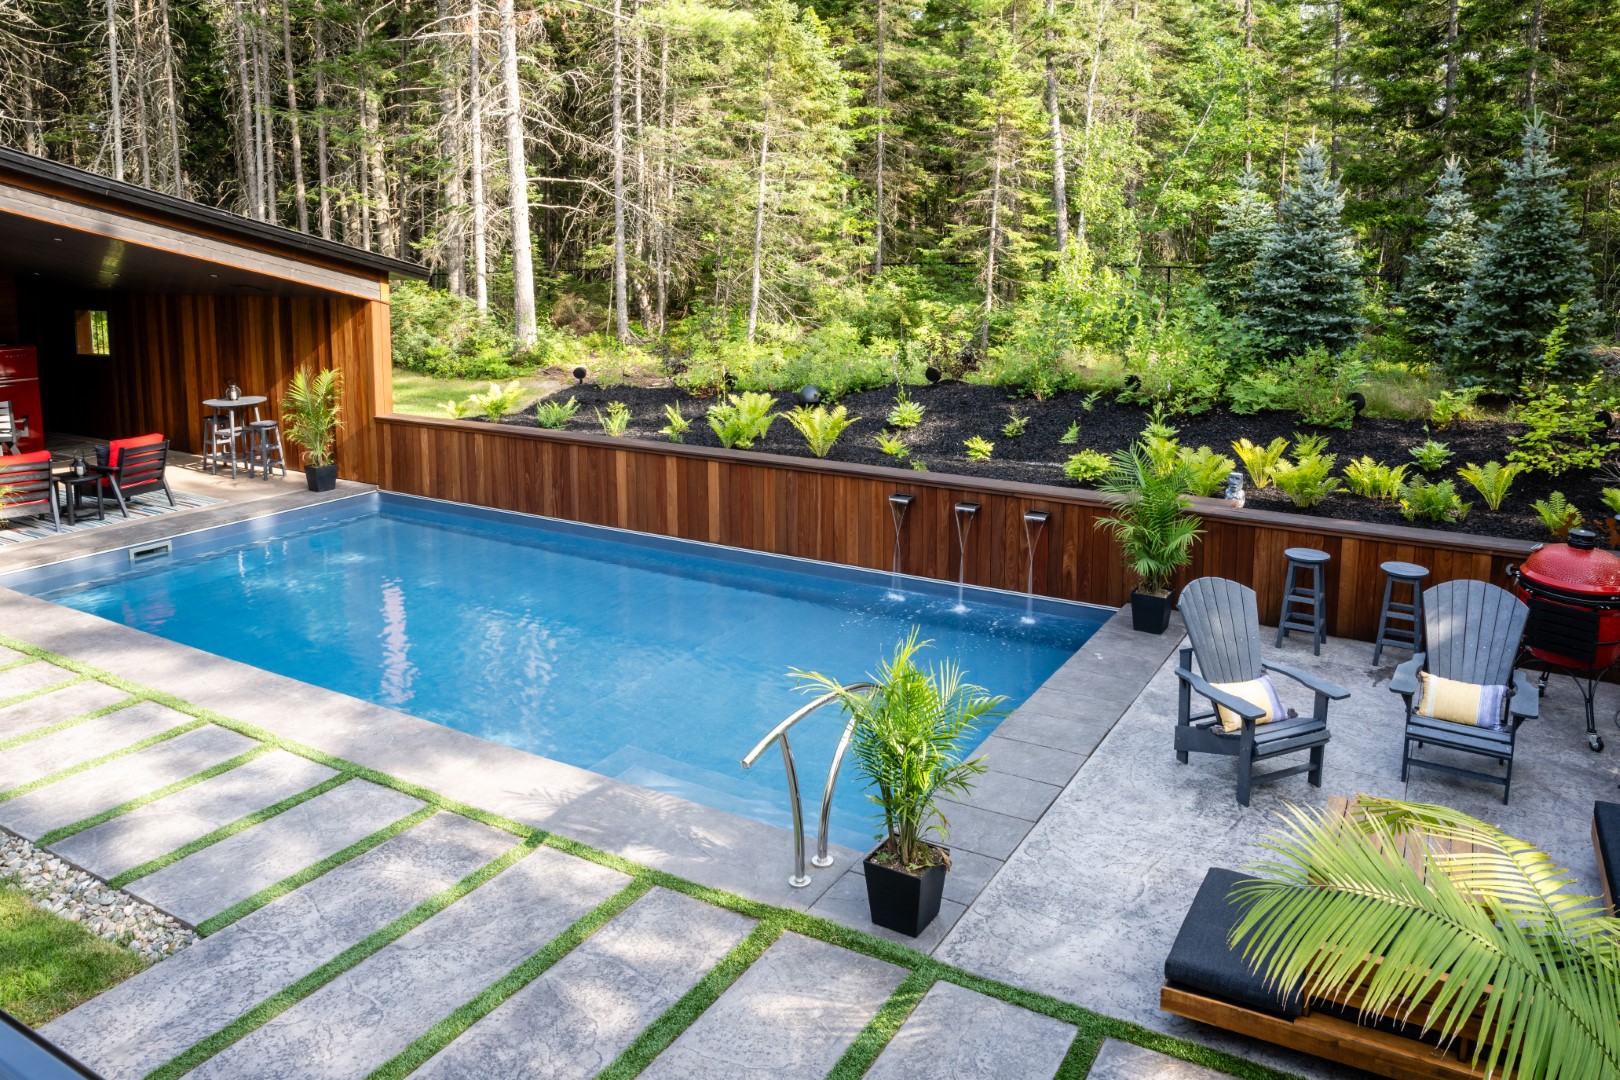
(1573, 591)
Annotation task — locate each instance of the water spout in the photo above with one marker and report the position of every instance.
(965, 513)
(1034, 522)
(898, 505)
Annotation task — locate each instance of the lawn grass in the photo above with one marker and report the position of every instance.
(421, 395)
(49, 964)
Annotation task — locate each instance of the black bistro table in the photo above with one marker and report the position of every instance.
(230, 407)
(74, 489)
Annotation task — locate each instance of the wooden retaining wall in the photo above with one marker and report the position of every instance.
(839, 512)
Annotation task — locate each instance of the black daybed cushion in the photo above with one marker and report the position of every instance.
(1606, 837)
(1202, 961)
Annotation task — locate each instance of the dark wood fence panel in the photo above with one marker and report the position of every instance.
(840, 513)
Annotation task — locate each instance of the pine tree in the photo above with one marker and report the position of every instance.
(1247, 219)
(1437, 272)
(1307, 277)
(1531, 264)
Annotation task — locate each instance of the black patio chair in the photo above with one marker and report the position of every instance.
(26, 487)
(133, 469)
(1223, 623)
(13, 428)
(1472, 631)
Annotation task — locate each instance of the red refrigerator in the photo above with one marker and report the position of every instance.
(19, 384)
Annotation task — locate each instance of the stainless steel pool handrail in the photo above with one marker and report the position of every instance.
(780, 734)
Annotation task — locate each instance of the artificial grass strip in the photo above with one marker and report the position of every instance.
(451, 1027)
(684, 1013)
(49, 964)
(282, 1000)
(58, 835)
(1092, 1027)
(271, 894)
(881, 1028)
(18, 699)
(21, 661)
(72, 721)
(225, 832)
(133, 748)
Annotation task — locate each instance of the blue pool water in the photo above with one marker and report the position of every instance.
(654, 661)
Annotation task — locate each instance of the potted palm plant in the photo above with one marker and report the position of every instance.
(1496, 948)
(1154, 530)
(312, 417)
(908, 734)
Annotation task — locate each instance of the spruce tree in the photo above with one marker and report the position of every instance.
(1307, 278)
(1437, 272)
(1531, 264)
(1246, 220)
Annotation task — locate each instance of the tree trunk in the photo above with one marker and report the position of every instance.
(667, 209)
(994, 242)
(517, 165)
(247, 135)
(143, 142)
(1531, 76)
(1091, 107)
(621, 299)
(116, 98)
(300, 196)
(1060, 191)
(882, 123)
(177, 172)
(455, 192)
(1248, 85)
(1450, 111)
(480, 207)
(323, 168)
(759, 204)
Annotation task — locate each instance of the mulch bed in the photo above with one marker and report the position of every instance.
(957, 411)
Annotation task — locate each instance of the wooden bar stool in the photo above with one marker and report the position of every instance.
(1410, 638)
(1305, 607)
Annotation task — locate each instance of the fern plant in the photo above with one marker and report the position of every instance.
(1309, 446)
(617, 420)
(1558, 515)
(1492, 480)
(676, 425)
(1151, 523)
(1071, 437)
(1432, 501)
(1206, 471)
(892, 445)
(1087, 467)
(456, 410)
(1432, 455)
(1306, 480)
(979, 449)
(1488, 931)
(1015, 426)
(555, 414)
(1260, 460)
(1451, 406)
(906, 413)
(742, 419)
(1611, 499)
(820, 426)
(498, 400)
(1373, 479)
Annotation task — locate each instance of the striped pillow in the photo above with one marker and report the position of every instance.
(1461, 702)
(1256, 692)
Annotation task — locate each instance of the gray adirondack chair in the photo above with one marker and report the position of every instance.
(1223, 623)
(1472, 631)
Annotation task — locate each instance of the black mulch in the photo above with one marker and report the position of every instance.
(957, 411)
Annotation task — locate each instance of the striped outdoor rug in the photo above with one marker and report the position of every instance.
(21, 530)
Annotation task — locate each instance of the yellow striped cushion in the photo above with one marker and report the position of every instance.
(1256, 692)
(1460, 702)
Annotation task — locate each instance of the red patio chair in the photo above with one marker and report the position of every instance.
(130, 467)
(26, 487)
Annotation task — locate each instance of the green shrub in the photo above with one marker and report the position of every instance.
(555, 414)
(1082, 304)
(1306, 480)
(1432, 455)
(820, 426)
(892, 445)
(979, 449)
(1015, 426)
(1558, 515)
(1260, 460)
(1562, 433)
(617, 420)
(1072, 436)
(1433, 502)
(1205, 470)
(1451, 406)
(497, 401)
(440, 334)
(1175, 369)
(676, 424)
(1263, 390)
(1373, 479)
(742, 419)
(1087, 467)
(1492, 480)
(906, 413)
(1322, 384)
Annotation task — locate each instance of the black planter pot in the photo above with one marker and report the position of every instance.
(1151, 614)
(320, 477)
(901, 901)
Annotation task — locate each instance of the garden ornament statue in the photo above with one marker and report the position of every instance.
(1234, 489)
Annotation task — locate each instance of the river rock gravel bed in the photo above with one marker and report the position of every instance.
(85, 899)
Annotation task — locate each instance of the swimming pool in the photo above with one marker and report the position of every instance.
(653, 661)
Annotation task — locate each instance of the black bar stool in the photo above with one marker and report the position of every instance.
(1410, 637)
(264, 447)
(1305, 607)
